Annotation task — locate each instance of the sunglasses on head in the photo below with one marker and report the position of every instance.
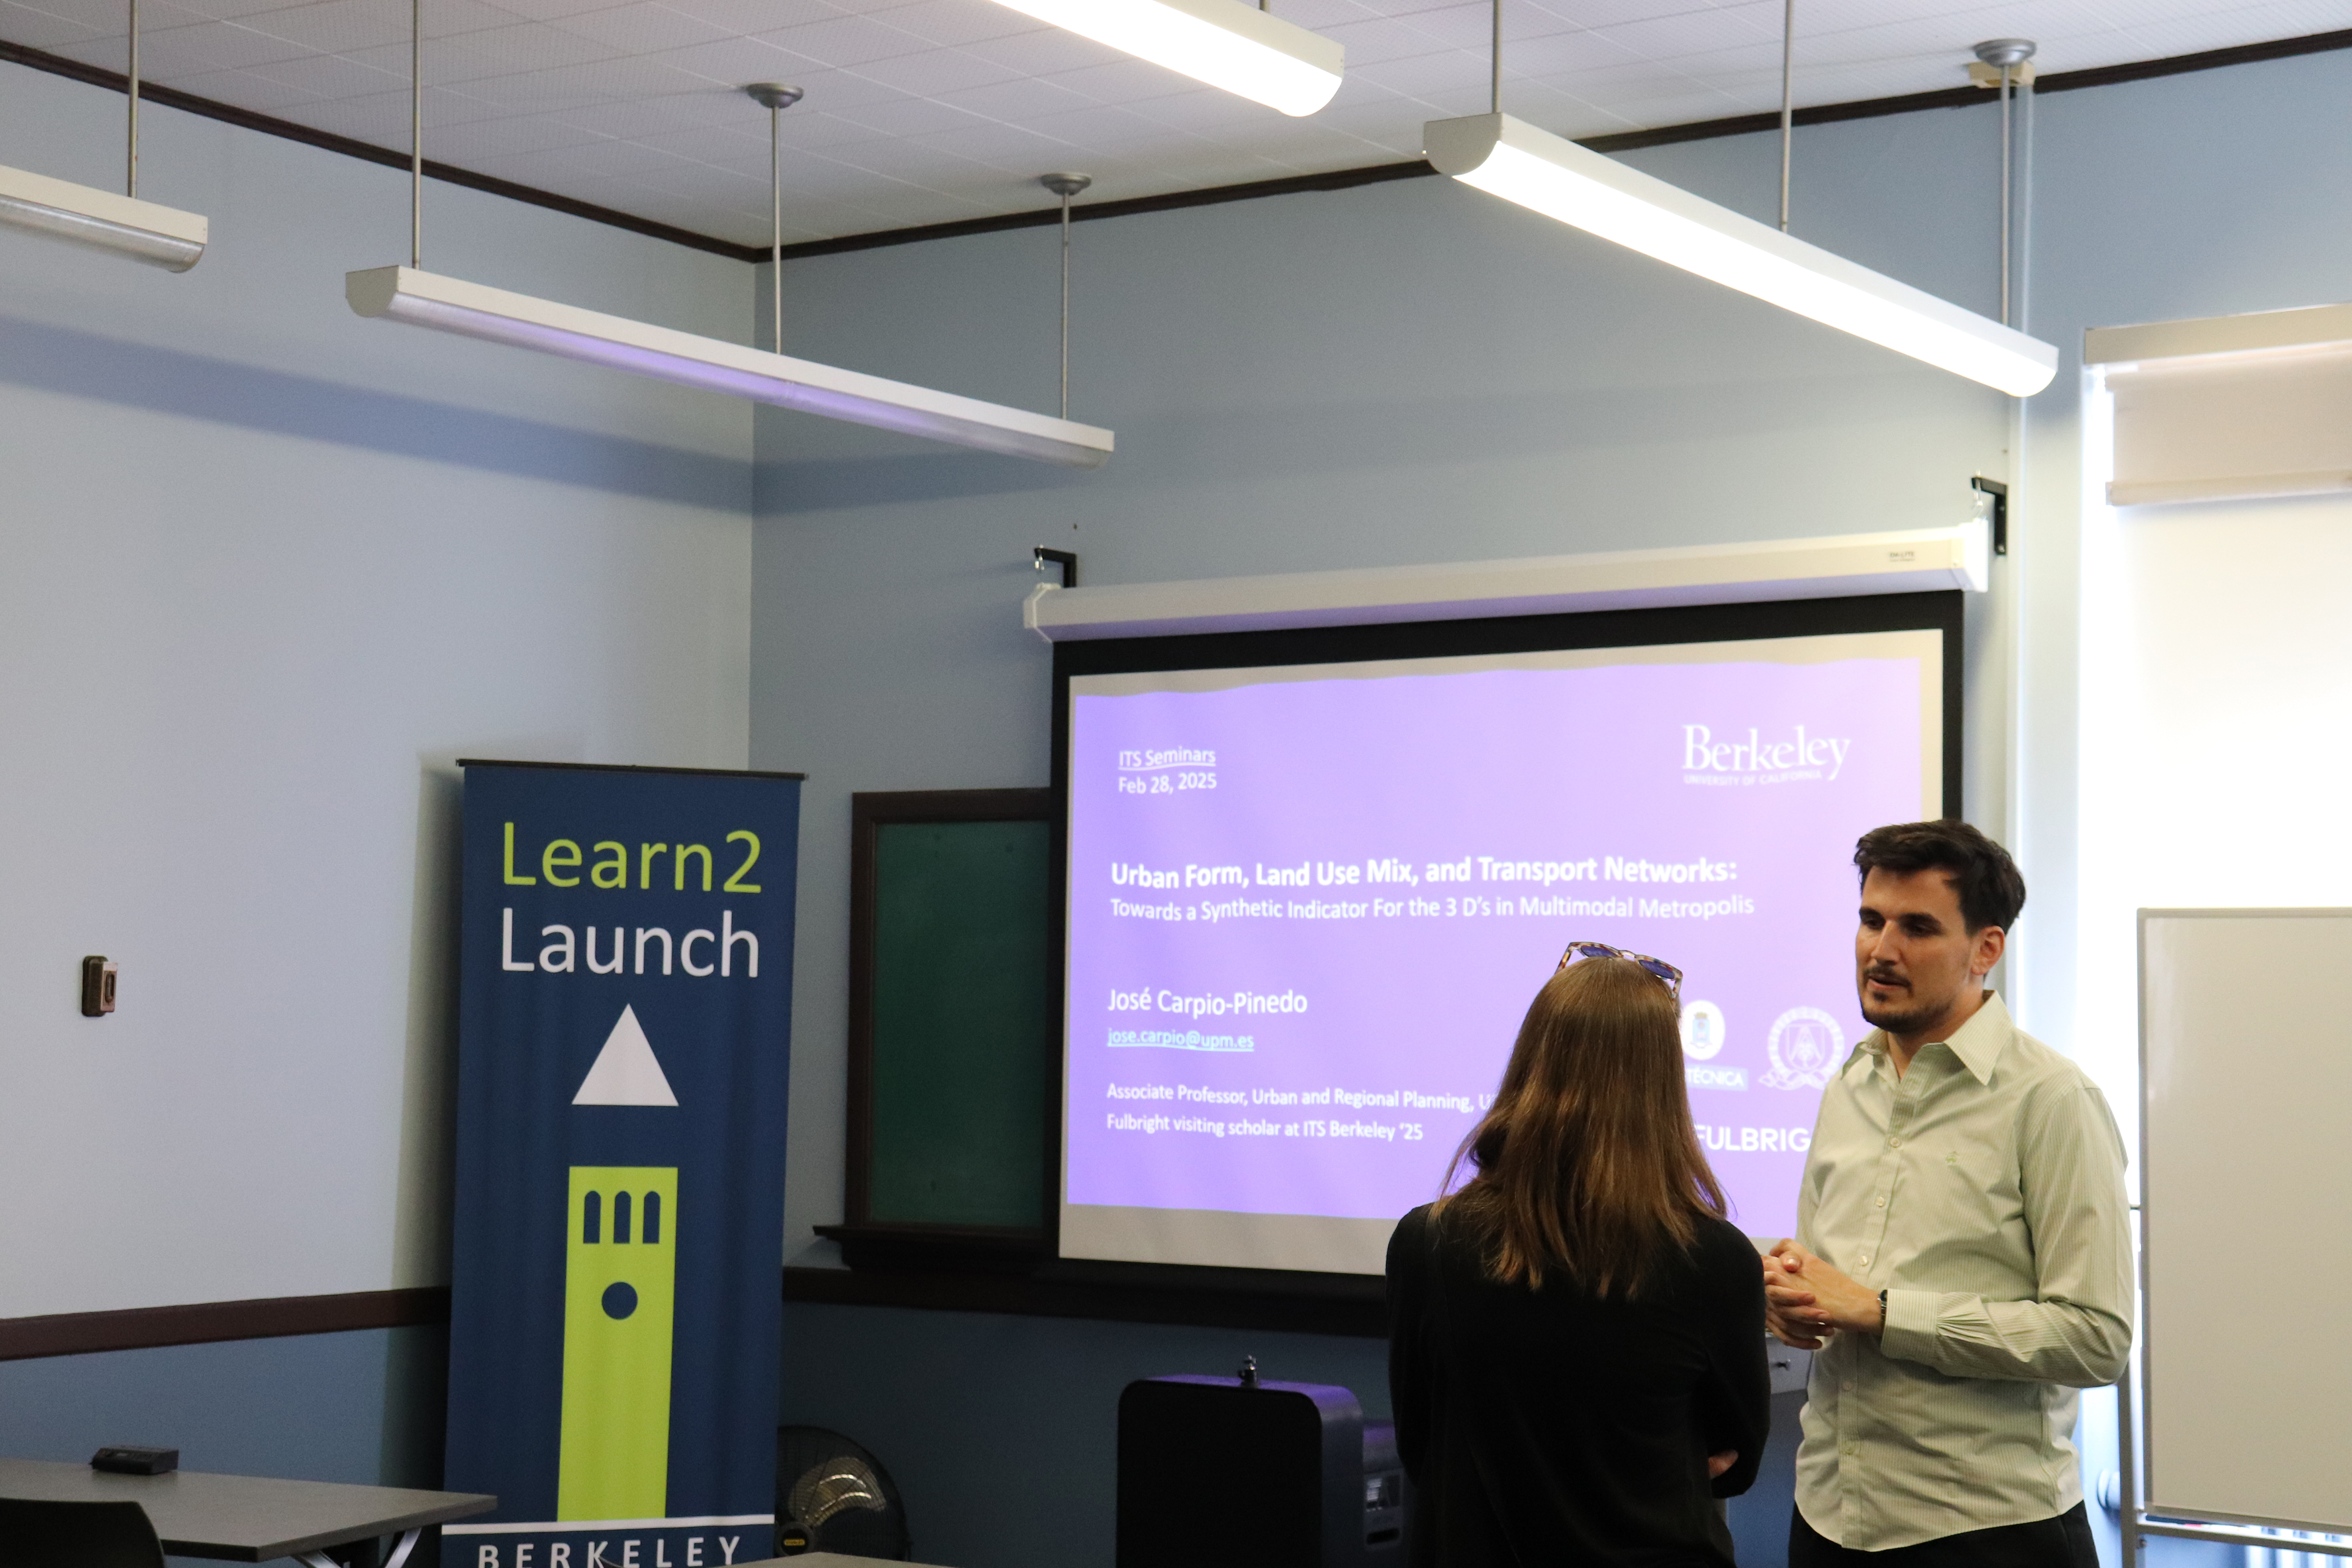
(1658, 966)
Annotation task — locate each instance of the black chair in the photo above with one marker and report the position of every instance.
(43, 1534)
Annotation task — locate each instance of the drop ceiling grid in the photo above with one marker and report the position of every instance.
(929, 111)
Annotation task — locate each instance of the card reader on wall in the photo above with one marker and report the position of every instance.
(97, 985)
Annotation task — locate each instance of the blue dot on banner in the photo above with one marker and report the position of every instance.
(620, 1299)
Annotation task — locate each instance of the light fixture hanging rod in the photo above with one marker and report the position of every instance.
(417, 132)
(1495, 63)
(2006, 55)
(778, 98)
(1065, 185)
(1788, 102)
(131, 155)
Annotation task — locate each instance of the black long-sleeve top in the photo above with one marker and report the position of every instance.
(1553, 1426)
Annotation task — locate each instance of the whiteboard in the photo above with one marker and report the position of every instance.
(2246, 1214)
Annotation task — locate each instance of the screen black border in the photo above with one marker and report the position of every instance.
(1942, 611)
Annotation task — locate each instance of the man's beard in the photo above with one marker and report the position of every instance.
(1906, 1017)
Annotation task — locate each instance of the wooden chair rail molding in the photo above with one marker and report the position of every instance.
(1328, 1306)
(210, 1322)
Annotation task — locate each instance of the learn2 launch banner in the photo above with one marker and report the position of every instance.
(625, 1006)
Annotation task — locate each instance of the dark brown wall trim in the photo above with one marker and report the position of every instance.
(1358, 1312)
(1290, 186)
(1967, 97)
(628, 768)
(1341, 180)
(210, 1322)
(367, 152)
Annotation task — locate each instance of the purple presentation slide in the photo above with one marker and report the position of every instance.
(1308, 906)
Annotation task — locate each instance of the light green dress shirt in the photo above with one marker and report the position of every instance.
(1983, 1191)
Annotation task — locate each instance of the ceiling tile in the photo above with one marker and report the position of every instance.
(1046, 52)
(514, 136)
(710, 115)
(951, 24)
(220, 10)
(1098, 125)
(1008, 147)
(1024, 100)
(591, 160)
(845, 40)
(910, 117)
(936, 73)
(748, 18)
(641, 30)
(555, 10)
(95, 17)
(335, 26)
(732, 62)
(43, 27)
(597, 81)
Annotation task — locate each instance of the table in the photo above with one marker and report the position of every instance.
(249, 1519)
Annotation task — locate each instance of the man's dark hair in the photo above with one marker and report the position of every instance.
(1991, 892)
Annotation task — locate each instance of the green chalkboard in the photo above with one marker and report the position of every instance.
(955, 1020)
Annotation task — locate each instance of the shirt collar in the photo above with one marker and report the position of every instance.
(1980, 1042)
(1977, 1043)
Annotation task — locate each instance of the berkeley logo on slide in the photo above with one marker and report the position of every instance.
(1786, 758)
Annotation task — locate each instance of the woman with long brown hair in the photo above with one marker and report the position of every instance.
(1576, 1336)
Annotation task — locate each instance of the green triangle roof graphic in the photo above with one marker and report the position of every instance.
(625, 1071)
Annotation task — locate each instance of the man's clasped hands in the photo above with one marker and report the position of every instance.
(1805, 1299)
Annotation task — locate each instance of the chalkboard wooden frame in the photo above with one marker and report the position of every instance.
(867, 1243)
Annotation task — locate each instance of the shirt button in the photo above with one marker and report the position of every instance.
(1849, 1448)
(1865, 1260)
(1894, 1142)
(1881, 1200)
(1848, 1385)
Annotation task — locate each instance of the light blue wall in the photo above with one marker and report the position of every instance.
(363, 1408)
(2184, 196)
(266, 570)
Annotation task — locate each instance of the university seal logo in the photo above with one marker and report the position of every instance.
(1702, 1030)
(1806, 1045)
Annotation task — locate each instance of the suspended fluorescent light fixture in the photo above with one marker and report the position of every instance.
(1549, 174)
(161, 236)
(423, 299)
(451, 305)
(1222, 42)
